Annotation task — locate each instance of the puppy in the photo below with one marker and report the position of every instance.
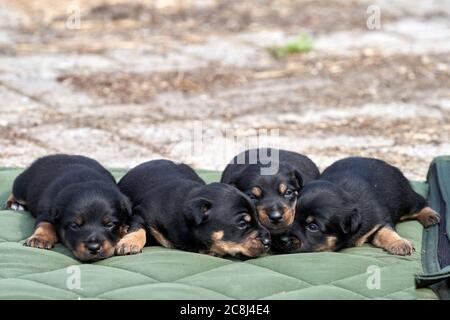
(75, 201)
(174, 207)
(356, 200)
(274, 191)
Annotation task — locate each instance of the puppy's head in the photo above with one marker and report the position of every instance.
(327, 217)
(275, 196)
(223, 222)
(91, 217)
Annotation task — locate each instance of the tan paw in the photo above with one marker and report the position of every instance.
(401, 247)
(38, 241)
(132, 243)
(125, 248)
(429, 219)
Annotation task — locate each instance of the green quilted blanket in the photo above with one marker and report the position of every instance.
(158, 273)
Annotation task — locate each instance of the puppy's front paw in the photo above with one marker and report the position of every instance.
(127, 247)
(43, 237)
(401, 247)
(132, 243)
(39, 241)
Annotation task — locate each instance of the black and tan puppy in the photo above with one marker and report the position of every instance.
(173, 206)
(273, 179)
(356, 200)
(75, 201)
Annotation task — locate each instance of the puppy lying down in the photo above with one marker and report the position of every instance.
(173, 207)
(75, 201)
(356, 200)
(274, 193)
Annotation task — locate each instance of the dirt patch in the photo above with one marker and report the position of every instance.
(140, 88)
(238, 16)
(350, 81)
(372, 78)
(416, 130)
(353, 81)
(220, 16)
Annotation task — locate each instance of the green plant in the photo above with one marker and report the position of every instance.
(302, 44)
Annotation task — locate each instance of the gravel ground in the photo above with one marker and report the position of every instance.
(144, 79)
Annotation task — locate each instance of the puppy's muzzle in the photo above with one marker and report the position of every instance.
(290, 243)
(275, 217)
(94, 249)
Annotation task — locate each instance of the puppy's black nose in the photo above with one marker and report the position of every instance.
(93, 247)
(275, 216)
(266, 242)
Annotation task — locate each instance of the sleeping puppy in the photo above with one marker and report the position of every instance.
(356, 200)
(75, 201)
(174, 207)
(274, 191)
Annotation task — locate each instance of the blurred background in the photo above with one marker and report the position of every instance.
(120, 80)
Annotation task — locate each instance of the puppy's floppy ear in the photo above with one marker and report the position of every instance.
(234, 180)
(197, 209)
(352, 222)
(125, 206)
(299, 178)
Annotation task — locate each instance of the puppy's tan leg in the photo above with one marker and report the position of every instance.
(365, 238)
(14, 204)
(131, 243)
(390, 241)
(43, 237)
(160, 238)
(427, 217)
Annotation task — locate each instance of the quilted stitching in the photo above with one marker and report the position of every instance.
(160, 273)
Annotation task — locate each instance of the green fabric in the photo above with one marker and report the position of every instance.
(434, 276)
(159, 273)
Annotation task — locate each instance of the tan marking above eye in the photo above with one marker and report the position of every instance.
(205, 210)
(105, 220)
(309, 219)
(247, 218)
(282, 188)
(79, 221)
(256, 191)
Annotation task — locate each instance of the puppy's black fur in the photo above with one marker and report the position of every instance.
(356, 200)
(274, 193)
(174, 206)
(76, 201)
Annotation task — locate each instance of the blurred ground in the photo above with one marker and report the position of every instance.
(126, 86)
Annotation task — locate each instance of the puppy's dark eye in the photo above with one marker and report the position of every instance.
(242, 224)
(312, 227)
(110, 225)
(289, 193)
(74, 226)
